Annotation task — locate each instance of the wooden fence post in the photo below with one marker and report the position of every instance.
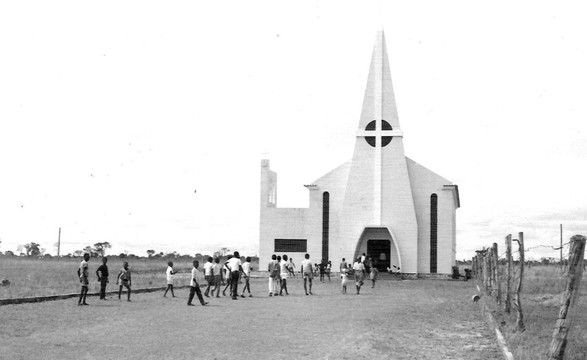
(489, 272)
(485, 271)
(508, 271)
(574, 274)
(496, 281)
(518, 302)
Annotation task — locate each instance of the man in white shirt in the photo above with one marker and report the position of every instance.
(234, 265)
(307, 272)
(208, 275)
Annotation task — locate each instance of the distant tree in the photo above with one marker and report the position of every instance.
(47, 256)
(150, 253)
(89, 250)
(122, 255)
(32, 249)
(172, 255)
(100, 248)
(19, 249)
(78, 253)
(8, 253)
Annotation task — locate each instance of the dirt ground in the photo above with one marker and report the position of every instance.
(410, 319)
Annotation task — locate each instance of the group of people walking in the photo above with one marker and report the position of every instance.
(229, 274)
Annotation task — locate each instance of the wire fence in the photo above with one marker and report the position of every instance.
(538, 303)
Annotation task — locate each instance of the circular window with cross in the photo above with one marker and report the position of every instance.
(386, 133)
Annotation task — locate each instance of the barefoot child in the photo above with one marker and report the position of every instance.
(344, 277)
(82, 273)
(226, 276)
(124, 280)
(373, 276)
(307, 273)
(102, 274)
(247, 274)
(170, 277)
(217, 271)
(209, 275)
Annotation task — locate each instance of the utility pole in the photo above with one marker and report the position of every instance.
(59, 243)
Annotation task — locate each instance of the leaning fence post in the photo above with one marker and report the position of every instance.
(496, 281)
(508, 255)
(518, 302)
(574, 274)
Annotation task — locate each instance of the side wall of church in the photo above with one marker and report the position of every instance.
(286, 223)
(335, 184)
(424, 184)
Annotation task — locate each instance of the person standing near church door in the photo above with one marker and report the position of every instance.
(343, 265)
(359, 270)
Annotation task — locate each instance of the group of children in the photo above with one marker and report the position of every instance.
(229, 275)
(123, 279)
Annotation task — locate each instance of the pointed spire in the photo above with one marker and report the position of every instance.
(379, 99)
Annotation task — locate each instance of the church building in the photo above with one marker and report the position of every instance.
(380, 202)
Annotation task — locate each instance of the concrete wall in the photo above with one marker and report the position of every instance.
(424, 184)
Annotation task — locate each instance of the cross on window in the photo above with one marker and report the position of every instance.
(385, 131)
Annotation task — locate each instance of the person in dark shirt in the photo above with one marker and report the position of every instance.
(102, 274)
(322, 267)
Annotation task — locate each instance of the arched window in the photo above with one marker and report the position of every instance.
(325, 223)
(433, 233)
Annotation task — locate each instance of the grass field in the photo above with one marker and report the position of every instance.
(55, 276)
(410, 319)
(542, 291)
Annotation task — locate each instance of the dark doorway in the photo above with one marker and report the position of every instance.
(380, 251)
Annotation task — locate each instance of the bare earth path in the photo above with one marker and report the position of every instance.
(410, 319)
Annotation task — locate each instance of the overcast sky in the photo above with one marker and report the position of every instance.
(143, 123)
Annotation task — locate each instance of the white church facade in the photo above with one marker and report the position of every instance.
(380, 202)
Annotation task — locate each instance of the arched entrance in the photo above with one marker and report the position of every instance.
(377, 243)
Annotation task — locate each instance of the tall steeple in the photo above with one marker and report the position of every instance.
(378, 185)
(379, 99)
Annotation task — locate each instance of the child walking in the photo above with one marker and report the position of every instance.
(217, 270)
(170, 272)
(226, 276)
(284, 272)
(344, 277)
(124, 279)
(373, 275)
(209, 275)
(247, 273)
(195, 287)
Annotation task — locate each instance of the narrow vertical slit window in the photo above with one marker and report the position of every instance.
(433, 234)
(325, 223)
